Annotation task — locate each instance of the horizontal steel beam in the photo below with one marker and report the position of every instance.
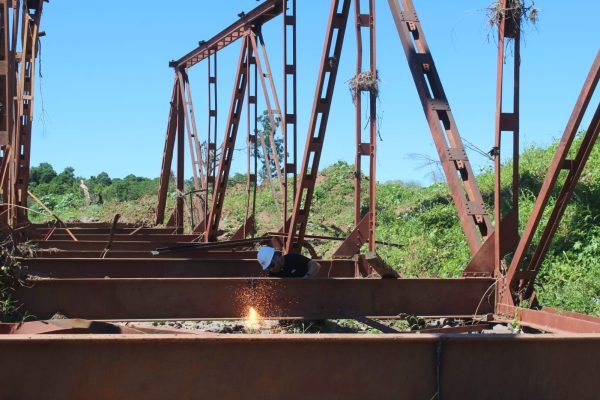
(257, 17)
(551, 320)
(84, 225)
(104, 230)
(325, 366)
(99, 245)
(94, 253)
(229, 298)
(164, 268)
(158, 237)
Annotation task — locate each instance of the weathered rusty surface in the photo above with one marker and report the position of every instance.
(448, 142)
(326, 366)
(229, 298)
(159, 237)
(98, 245)
(165, 268)
(551, 320)
(522, 261)
(332, 50)
(82, 230)
(257, 17)
(94, 253)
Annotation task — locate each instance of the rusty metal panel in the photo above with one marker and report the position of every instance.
(399, 366)
(229, 298)
(165, 268)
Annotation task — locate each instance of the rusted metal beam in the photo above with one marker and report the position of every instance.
(104, 230)
(86, 245)
(509, 27)
(120, 366)
(233, 121)
(167, 160)
(457, 168)
(159, 237)
(229, 298)
(206, 267)
(332, 51)
(550, 320)
(365, 148)
(257, 17)
(289, 115)
(21, 142)
(92, 253)
(515, 282)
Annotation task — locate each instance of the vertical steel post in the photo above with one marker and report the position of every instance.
(251, 142)
(290, 113)
(180, 178)
(334, 41)
(6, 103)
(364, 229)
(211, 139)
(32, 13)
(506, 224)
(372, 129)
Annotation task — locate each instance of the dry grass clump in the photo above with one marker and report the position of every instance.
(515, 12)
(366, 81)
(11, 277)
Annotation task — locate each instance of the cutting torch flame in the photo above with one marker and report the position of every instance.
(253, 319)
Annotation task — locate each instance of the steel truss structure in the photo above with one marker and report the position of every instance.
(121, 272)
(18, 51)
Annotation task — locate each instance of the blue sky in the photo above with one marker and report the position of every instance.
(103, 102)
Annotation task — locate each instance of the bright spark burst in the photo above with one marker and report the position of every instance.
(253, 320)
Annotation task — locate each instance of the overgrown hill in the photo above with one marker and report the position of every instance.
(419, 223)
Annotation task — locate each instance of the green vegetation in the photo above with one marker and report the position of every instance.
(422, 220)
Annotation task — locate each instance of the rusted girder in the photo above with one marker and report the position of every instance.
(521, 274)
(87, 245)
(465, 192)
(164, 268)
(195, 254)
(228, 146)
(257, 17)
(158, 237)
(411, 367)
(334, 40)
(551, 320)
(229, 298)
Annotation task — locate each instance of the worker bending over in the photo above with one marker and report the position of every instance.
(289, 266)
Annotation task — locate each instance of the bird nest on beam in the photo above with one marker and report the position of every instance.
(515, 13)
(366, 81)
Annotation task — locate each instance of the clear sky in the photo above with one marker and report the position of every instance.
(103, 102)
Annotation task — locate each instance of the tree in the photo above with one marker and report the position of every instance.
(43, 173)
(267, 128)
(102, 180)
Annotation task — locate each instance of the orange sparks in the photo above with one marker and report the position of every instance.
(253, 319)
